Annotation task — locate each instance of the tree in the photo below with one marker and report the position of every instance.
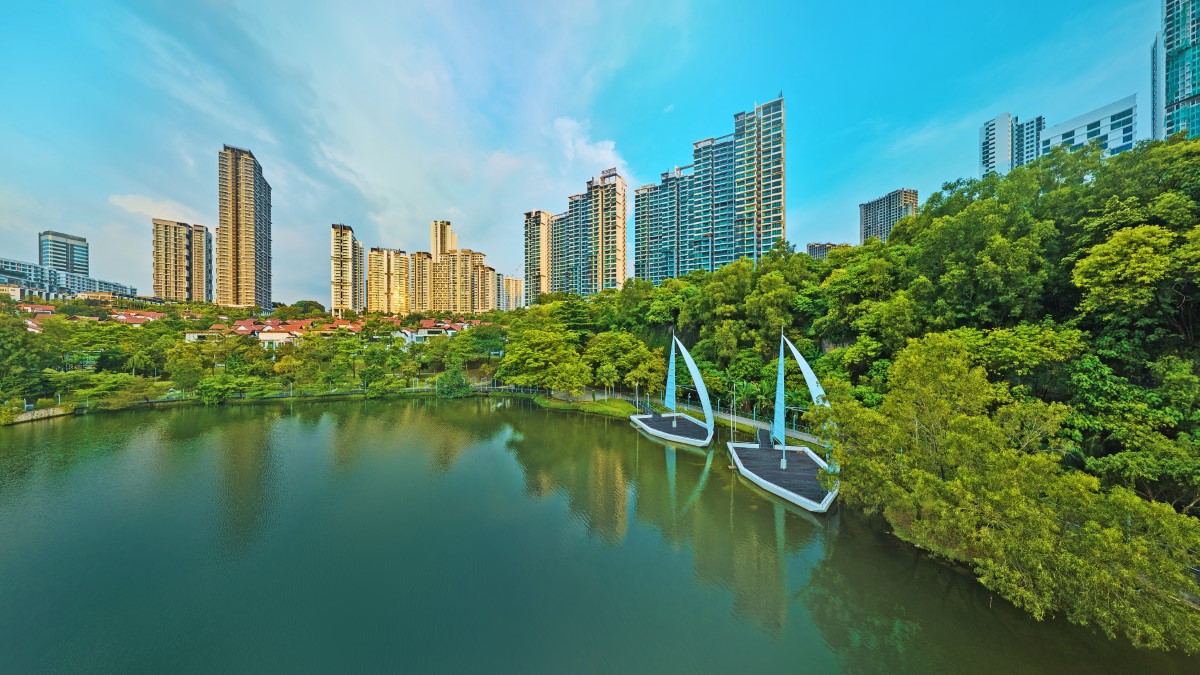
(540, 358)
(630, 358)
(218, 389)
(185, 365)
(569, 377)
(607, 376)
(453, 383)
(1143, 280)
(21, 361)
(943, 462)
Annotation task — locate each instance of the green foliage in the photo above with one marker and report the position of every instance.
(544, 358)
(453, 383)
(185, 365)
(622, 357)
(217, 389)
(961, 468)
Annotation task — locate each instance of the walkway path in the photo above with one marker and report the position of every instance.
(723, 418)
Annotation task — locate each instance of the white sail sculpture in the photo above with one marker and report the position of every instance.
(676, 426)
(765, 463)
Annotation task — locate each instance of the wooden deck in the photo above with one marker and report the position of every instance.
(801, 477)
(676, 427)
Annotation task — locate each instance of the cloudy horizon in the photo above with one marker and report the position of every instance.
(386, 118)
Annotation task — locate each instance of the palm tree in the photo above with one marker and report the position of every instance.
(139, 360)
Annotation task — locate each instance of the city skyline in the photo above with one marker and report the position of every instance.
(151, 97)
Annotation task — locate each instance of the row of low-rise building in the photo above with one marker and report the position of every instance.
(62, 270)
(275, 333)
(447, 279)
(1006, 142)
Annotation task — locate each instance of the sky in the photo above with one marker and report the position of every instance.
(390, 115)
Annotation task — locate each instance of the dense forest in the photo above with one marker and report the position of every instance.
(1014, 377)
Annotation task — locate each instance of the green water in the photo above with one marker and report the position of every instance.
(482, 535)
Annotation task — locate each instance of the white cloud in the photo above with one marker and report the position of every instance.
(669, 109)
(154, 208)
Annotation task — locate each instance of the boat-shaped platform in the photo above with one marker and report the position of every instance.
(676, 427)
(799, 483)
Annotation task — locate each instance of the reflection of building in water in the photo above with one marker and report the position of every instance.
(446, 431)
(738, 539)
(607, 496)
(759, 586)
(244, 462)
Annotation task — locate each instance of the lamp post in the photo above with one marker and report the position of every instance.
(732, 407)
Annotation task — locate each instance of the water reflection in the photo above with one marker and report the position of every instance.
(610, 473)
(245, 466)
(837, 583)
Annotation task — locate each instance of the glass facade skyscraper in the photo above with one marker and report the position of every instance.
(662, 228)
(63, 252)
(1180, 68)
(729, 203)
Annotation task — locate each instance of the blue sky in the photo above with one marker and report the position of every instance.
(391, 115)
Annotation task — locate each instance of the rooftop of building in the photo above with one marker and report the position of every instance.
(64, 235)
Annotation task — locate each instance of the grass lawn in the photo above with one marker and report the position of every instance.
(611, 407)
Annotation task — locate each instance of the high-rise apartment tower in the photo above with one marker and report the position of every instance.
(420, 265)
(442, 238)
(877, 217)
(243, 250)
(537, 254)
(387, 281)
(1113, 126)
(1005, 142)
(587, 242)
(346, 271)
(729, 203)
(182, 261)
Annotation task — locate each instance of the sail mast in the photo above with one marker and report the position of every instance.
(669, 395)
(777, 428)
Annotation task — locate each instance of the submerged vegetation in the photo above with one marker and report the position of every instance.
(1014, 376)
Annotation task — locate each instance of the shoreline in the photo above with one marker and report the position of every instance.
(602, 408)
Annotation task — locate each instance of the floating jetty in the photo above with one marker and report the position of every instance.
(797, 480)
(792, 474)
(676, 426)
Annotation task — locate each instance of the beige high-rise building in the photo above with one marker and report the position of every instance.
(387, 282)
(514, 294)
(442, 239)
(420, 266)
(457, 281)
(537, 254)
(485, 294)
(182, 261)
(587, 242)
(243, 250)
(346, 271)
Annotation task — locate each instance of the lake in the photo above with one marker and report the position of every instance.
(476, 535)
